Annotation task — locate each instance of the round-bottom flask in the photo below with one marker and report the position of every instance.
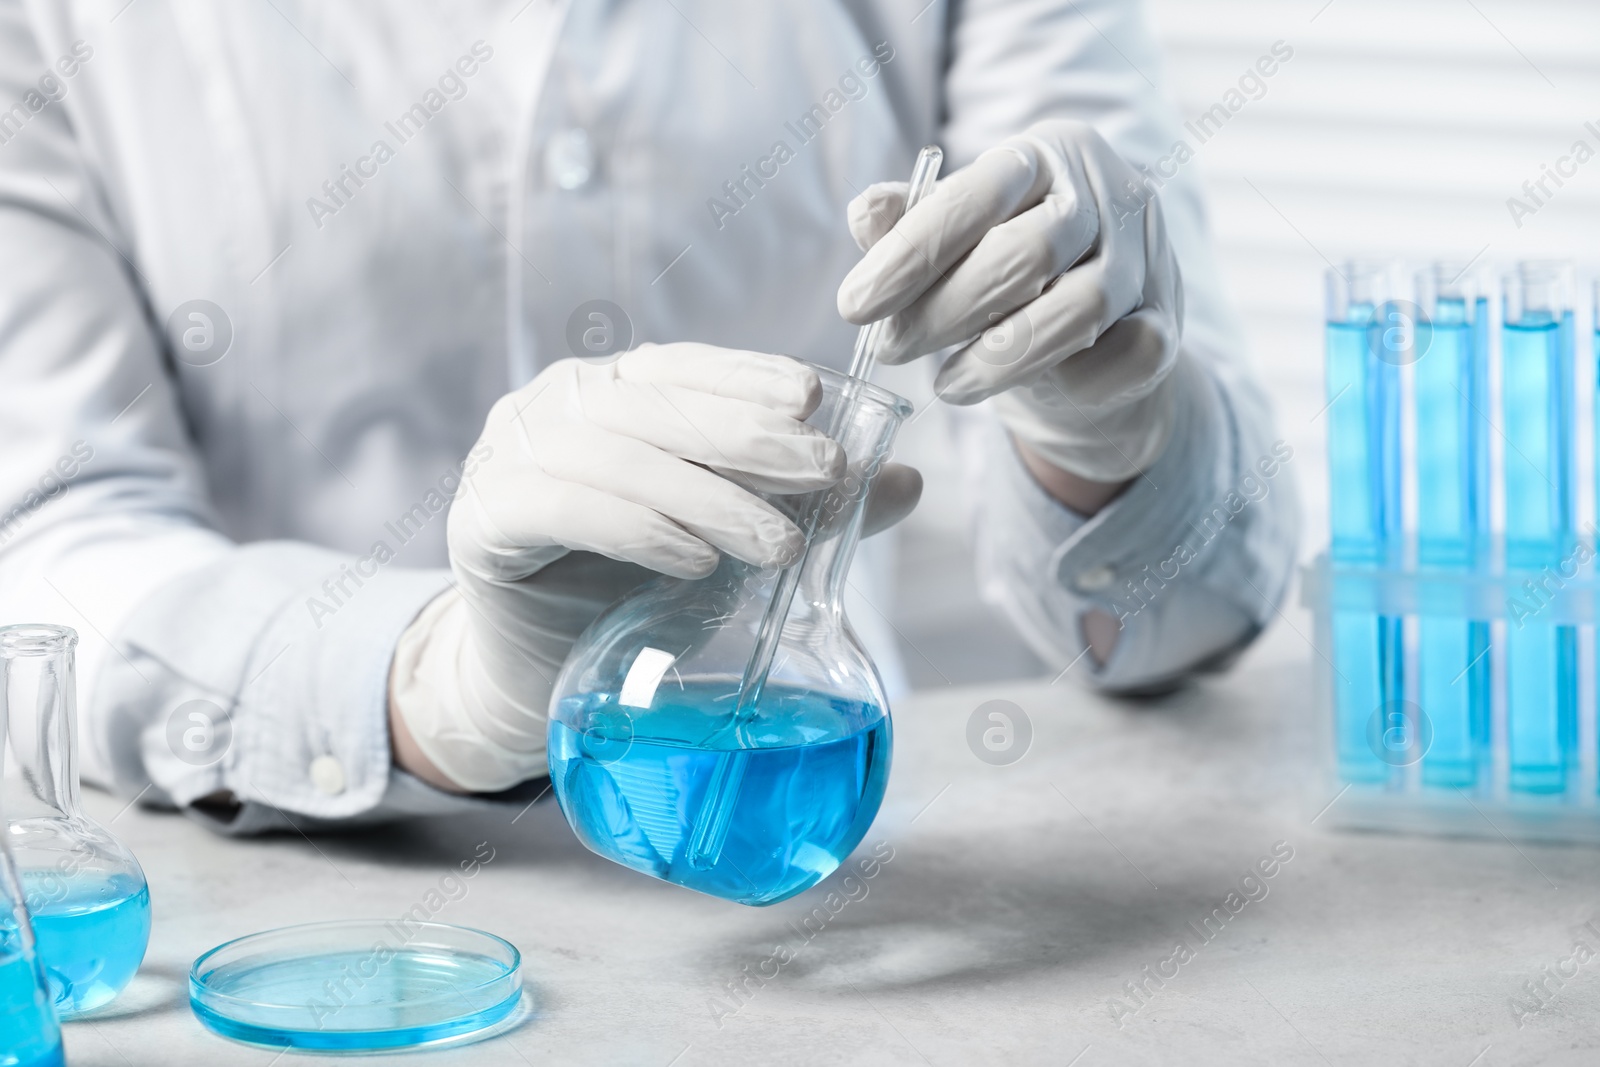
(30, 1036)
(85, 892)
(659, 764)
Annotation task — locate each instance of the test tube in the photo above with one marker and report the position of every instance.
(1363, 416)
(1594, 307)
(1537, 390)
(1450, 386)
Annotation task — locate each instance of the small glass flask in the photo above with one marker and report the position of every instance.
(30, 1036)
(85, 892)
(661, 758)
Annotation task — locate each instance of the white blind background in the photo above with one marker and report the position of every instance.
(1398, 129)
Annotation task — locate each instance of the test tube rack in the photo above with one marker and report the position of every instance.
(1377, 773)
(1457, 608)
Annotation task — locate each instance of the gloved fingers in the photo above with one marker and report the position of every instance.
(1069, 316)
(779, 383)
(893, 496)
(700, 501)
(934, 235)
(775, 452)
(1163, 282)
(1066, 318)
(1010, 268)
(1126, 363)
(874, 212)
(1132, 231)
(1135, 353)
(511, 538)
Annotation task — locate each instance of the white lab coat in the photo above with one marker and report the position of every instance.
(392, 211)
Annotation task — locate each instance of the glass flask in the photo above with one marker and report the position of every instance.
(30, 1036)
(658, 764)
(85, 892)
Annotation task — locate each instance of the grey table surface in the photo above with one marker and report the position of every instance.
(1018, 902)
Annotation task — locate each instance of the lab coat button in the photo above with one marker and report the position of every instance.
(1095, 579)
(569, 160)
(327, 774)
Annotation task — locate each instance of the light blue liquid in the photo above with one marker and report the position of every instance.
(1541, 657)
(1363, 442)
(1366, 651)
(1452, 454)
(1542, 712)
(1538, 427)
(1453, 683)
(91, 940)
(1453, 689)
(29, 1036)
(813, 779)
(1364, 513)
(330, 1002)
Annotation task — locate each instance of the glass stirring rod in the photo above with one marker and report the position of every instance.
(716, 809)
(923, 177)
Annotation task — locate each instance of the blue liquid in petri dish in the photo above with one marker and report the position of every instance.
(346, 1001)
(29, 1036)
(91, 940)
(814, 774)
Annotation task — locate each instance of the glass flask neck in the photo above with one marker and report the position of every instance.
(833, 543)
(39, 713)
(864, 420)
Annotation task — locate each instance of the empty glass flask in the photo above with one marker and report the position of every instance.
(664, 756)
(85, 892)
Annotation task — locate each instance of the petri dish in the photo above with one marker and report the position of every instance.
(358, 986)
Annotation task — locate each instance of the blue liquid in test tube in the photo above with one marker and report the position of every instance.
(1450, 385)
(1596, 310)
(1541, 656)
(1364, 508)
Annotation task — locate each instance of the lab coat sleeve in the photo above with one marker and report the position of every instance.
(1195, 556)
(105, 526)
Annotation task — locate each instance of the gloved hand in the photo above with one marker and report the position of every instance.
(1050, 257)
(611, 461)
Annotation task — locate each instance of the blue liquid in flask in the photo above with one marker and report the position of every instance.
(632, 783)
(91, 938)
(29, 1036)
(87, 897)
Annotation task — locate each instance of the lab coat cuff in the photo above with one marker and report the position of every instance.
(266, 676)
(1131, 542)
(1215, 514)
(1130, 555)
(405, 797)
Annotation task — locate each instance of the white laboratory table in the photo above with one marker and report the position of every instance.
(1019, 902)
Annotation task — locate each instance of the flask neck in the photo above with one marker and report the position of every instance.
(38, 714)
(833, 544)
(864, 422)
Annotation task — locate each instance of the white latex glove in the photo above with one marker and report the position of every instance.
(610, 460)
(1051, 259)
